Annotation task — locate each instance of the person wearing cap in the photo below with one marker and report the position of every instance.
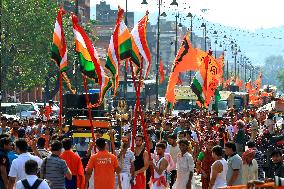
(250, 167)
(259, 157)
(104, 165)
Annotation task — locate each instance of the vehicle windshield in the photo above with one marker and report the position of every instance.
(222, 105)
(238, 103)
(10, 110)
(182, 105)
(24, 107)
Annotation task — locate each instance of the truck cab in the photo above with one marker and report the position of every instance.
(185, 100)
(229, 99)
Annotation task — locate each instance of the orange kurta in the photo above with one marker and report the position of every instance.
(75, 165)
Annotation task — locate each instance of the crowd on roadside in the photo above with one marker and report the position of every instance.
(239, 148)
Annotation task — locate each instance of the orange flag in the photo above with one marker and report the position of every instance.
(162, 73)
(227, 83)
(248, 86)
(185, 60)
(214, 74)
(258, 82)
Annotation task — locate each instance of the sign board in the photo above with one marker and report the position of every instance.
(184, 93)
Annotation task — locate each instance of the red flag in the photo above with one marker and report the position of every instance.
(162, 73)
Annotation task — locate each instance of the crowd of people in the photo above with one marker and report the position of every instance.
(241, 147)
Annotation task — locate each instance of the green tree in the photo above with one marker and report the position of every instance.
(280, 78)
(273, 65)
(26, 37)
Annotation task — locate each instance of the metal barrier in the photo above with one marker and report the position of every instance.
(265, 185)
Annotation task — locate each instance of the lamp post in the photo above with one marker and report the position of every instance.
(203, 25)
(216, 42)
(158, 49)
(189, 15)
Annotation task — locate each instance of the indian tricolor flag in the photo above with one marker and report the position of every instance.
(140, 40)
(59, 50)
(199, 85)
(121, 47)
(89, 61)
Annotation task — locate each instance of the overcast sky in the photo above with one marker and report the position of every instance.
(246, 14)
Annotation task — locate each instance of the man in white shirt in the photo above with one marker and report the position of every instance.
(17, 171)
(31, 180)
(174, 150)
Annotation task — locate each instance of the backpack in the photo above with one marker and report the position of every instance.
(34, 186)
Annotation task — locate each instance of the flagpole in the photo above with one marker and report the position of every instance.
(60, 102)
(88, 106)
(138, 108)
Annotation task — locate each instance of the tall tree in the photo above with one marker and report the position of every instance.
(26, 37)
(273, 65)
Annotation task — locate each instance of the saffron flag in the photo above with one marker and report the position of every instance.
(248, 86)
(58, 49)
(213, 76)
(185, 60)
(121, 47)
(257, 82)
(162, 73)
(89, 61)
(139, 38)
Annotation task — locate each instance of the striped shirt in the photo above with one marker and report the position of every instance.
(54, 170)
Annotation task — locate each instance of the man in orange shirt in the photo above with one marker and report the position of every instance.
(104, 165)
(75, 165)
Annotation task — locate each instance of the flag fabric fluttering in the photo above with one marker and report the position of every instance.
(257, 82)
(89, 62)
(198, 84)
(162, 73)
(121, 47)
(207, 79)
(248, 86)
(185, 60)
(214, 75)
(139, 38)
(59, 49)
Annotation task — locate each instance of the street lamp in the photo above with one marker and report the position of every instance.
(158, 48)
(203, 25)
(177, 16)
(144, 2)
(174, 3)
(189, 15)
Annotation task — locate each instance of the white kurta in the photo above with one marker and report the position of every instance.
(185, 165)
